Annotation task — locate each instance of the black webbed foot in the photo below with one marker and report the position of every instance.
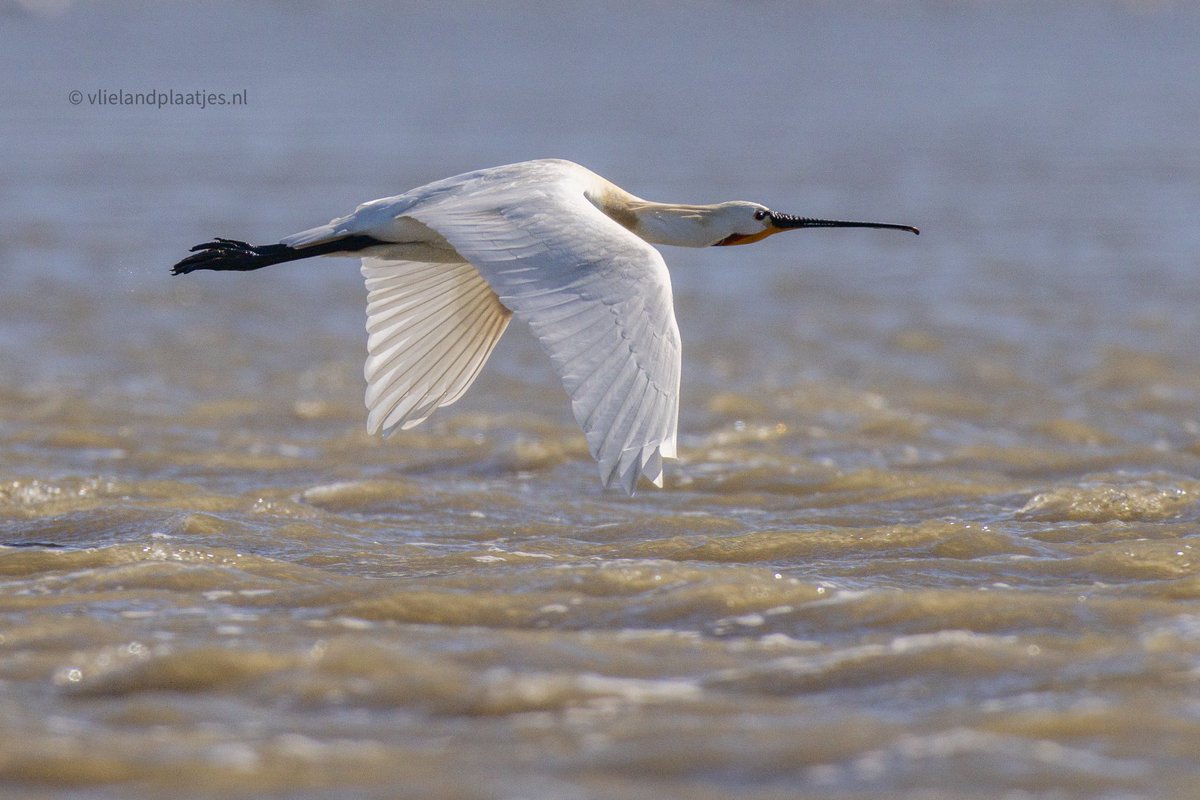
(231, 254)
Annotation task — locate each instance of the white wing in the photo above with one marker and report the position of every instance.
(598, 299)
(431, 327)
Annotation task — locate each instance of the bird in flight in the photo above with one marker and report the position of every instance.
(448, 264)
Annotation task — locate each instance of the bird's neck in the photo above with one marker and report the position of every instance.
(661, 223)
(678, 225)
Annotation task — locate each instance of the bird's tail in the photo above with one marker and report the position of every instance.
(230, 254)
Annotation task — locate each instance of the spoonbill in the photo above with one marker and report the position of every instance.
(448, 264)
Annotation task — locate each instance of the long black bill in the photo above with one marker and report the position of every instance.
(788, 221)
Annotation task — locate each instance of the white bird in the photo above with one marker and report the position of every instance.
(449, 263)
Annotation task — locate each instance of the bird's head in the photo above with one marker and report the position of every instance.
(751, 222)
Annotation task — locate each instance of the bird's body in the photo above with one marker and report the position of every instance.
(448, 264)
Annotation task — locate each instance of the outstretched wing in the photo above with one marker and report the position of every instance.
(598, 299)
(431, 327)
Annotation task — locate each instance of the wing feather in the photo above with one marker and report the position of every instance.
(414, 317)
(430, 329)
(429, 365)
(597, 298)
(406, 340)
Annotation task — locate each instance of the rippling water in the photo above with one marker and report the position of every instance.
(933, 530)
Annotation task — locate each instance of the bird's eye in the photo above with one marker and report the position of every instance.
(760, 214)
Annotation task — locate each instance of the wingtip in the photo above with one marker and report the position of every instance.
(624, 473)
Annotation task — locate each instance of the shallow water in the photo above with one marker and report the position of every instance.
(933, 529)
